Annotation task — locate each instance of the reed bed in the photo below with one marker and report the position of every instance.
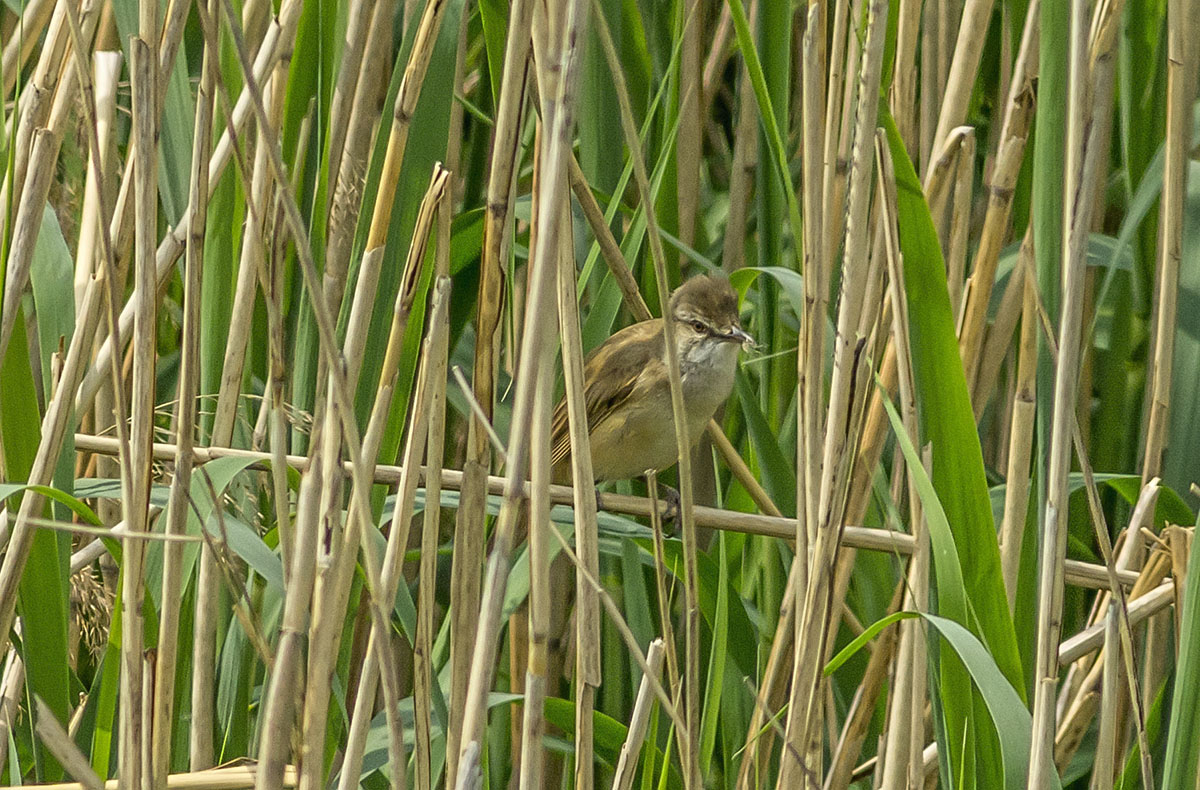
(291, 289)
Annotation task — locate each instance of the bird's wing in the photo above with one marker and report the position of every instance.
(610, 375)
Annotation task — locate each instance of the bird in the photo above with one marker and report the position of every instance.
(627, 392)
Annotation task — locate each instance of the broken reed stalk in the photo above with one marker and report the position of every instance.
(627, 761)
(1001, 185)
(955, 97)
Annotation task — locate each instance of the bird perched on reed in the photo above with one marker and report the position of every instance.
(631, 424)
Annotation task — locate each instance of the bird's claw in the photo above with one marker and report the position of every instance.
(670, 498)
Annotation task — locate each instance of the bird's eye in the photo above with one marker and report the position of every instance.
(699, 326)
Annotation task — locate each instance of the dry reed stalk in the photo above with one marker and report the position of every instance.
(837, 125)
(1000, 334)
(141, 413)
(903, 93)
(1001, 185)
(339, 389)
(563, 27)
(1078, 699)
(745, 159)
(1078, 573)
(960, 222)
(279, 702)
(33, 20)
(237, 778)
(663, 597)
(12, 692)
(106, 68)
(95, 242)
(1050, 586)
(56, 417)
(274, 287)
(1106, 740)
(610, 250)
(277, 45)
(804, 715)
(639, 720)
(688, 144)
(1182, 30)
(719, 54)
(335, 568)
(423, 668)
(1086, 181)
(587, 605)
(26, 226)
(810, 371)
(33, 109)
(689, 740)
(963, 69)
(402, 112)
(61, 745)
(361, 22)
(1092, 638)
(335, 572)
(519, 620)
(185, 426)
(534, 772)
(470, 523)
(347, 194)
(258, 193)
(1180, 542)
(1020, 447)
(849, 742)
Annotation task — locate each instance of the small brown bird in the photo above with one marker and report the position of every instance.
(630, 421)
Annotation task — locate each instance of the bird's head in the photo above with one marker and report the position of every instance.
(705, 312)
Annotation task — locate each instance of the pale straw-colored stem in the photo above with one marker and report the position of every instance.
(804, 717)
(564, 27)
(1182, 23)
(185, 427)
(470, 524)
(1054, 530)
(639, 720)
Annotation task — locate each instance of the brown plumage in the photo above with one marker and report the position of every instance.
(626, 389)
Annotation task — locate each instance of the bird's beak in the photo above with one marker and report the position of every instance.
(736, 333)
